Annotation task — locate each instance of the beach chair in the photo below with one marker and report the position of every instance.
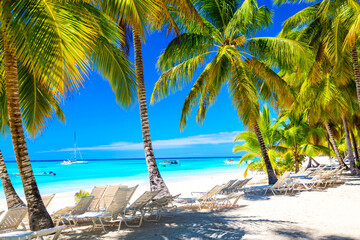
(237, 186)
(69, 213)
(12, 219)
(283, 184)
(229, 185)
(108, 196)
(137, 208)
(110, 214)
(47, 199)
(158, 206)
(317, 180)
(97, 193)
(273, 187)
(208, 199)
(32, 234)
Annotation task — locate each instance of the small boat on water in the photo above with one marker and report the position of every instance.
(74, 160)
(230, 161)
(43, 174)
(169, 163)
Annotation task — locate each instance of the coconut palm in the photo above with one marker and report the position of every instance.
(225, 52)
(340, 21)
(135, 17)
(298, 138)
(53, 42)
(12, 198)
(328, 72)
(271, 136)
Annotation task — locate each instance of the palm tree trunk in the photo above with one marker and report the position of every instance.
(39, 218)
(156, 181)
(270, 171)
(355, 146)
(12, 199)
(354, 56)
(297, 162)
(333, 144)
(353, 169)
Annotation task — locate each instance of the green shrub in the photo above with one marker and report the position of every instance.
(81, 194)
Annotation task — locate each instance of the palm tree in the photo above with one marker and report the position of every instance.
(299, 138)
(271, 136)
(330, 71)
(226, 53)
(135, 16)
(53, 43)
(339, 21)
(12, 199)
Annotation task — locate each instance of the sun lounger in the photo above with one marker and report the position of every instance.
(70, 213)
(236, 187)
(158, 206)
(229, 185)
(108, 196)
(283, 184)
(274, 188)
(319, 180)
(47, 199)
(16, 235)
(115, 208)
(98, 193)
(207, 199)
(12, 218)
(137, 208)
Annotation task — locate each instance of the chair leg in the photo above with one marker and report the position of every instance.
(102, 225)
(119, 225)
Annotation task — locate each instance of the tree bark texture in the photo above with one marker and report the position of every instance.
(270, 171)
(297, 162)
(156, 181)
(355, 146)
(355, 60)
(353, 169)
(12, 199)
(334, 146)
(39, 218)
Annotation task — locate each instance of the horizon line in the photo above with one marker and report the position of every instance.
(142, 158)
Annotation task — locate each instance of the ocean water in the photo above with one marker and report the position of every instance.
(99, 172)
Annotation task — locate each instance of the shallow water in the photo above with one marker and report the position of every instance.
(96, 172)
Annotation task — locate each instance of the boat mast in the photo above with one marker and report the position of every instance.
(75, 146)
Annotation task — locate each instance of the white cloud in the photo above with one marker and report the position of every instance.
(215, 138)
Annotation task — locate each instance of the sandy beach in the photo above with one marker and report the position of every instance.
(325, 214)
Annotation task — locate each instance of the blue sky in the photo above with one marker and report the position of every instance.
(105, 130)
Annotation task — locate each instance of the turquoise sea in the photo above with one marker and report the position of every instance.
(97, 172)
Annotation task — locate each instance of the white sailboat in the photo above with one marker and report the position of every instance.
(74, 159)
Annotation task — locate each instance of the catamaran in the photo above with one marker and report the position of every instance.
(74, 159)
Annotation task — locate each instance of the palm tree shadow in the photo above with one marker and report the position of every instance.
(222, 224)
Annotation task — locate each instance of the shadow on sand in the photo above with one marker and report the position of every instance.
(221, 224)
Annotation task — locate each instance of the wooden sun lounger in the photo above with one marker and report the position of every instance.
(12, 219)
(16, 235)
(207, 199)
(108, 196)
(138, 207)
(47, 199)
(110, 214)
(98, 193)
(70, 213)
(158, 206)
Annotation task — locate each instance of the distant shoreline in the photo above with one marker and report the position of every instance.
(125, 159)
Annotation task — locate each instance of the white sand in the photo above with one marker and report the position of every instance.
(328, 214)
(184, 185)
